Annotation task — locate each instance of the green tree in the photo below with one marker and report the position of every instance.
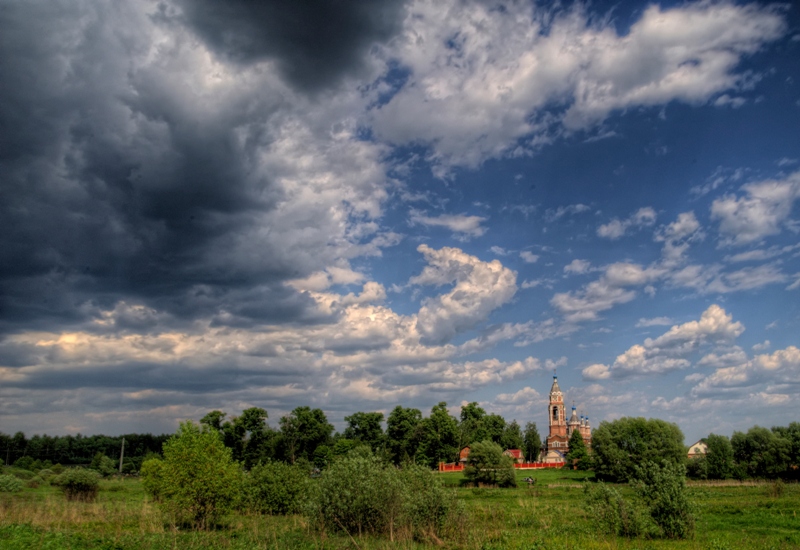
(103, 465)
(487, 464)
(578, 454)
(403, 431)
(366, 428)
(761, 452)
(197, 482)
(470, 427)
(302, 432)
(618, 446)
(532, 442)
(275, 488)
(719, 457)
(439, 437)
(512, 437)
(663, 489)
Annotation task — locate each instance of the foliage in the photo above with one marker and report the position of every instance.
(486, 464)
(512, 436)
(360, 494)
(9, 484)
(719, 457)
(532, 442)
(762, 453)
(247, 435)
(302, 432)
(438, 437)
(103, 465)
(198, 481)
(151, 474)
(662, 487)
(611, 514)
(403, 432)
(618, 446)
(275, 488)
(578, 454)
(697, 468)
(365, 427)
(79, 484)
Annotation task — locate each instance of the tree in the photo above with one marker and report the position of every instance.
(578, 454)
(366, 428)
(302, 432)
(532, 442)
(439, 437)
(618, 446)
(512, 437)
(719, 457)
(761, 452)
(197, 481)
(470, 428)
(663, 489)
(487, 464)
(403, 434)
(247, 435)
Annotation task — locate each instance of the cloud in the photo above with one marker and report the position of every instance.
(617, 228)
(552, 215)
(528, 257)
(777, 369)
(314, 45)
(763, 211)
(460, 224)
(727, 101)
(480, 287)
(669, 351)
(485, 83)
(654, 322)
(577, 267)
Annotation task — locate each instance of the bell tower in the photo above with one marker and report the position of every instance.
(557, 415)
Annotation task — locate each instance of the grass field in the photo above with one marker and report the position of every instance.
(548, 515)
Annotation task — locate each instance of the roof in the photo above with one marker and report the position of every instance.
(555, 387)
(513, 453)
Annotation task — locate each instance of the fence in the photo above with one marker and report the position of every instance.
(456, 467)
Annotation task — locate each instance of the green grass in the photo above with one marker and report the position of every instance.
(548, 515)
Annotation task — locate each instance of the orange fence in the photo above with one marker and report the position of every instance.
(456, 467)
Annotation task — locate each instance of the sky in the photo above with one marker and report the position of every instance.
(355, 205)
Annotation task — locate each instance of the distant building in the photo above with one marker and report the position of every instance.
(462, 456)
(561, 429)
(515, 454)
(698, 449)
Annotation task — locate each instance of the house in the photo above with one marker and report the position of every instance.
(515, 454)
(463, 454)
(698, 449)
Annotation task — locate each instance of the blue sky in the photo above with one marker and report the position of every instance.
(353, 207)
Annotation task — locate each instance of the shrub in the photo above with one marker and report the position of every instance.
(46, 474)
(34, 482)
(486, 464)
(151, 476)
(9, 484)
(197, 482)
(79, 484)
(275, 488)
(361, 494)
(103, 465)
(24, 475)
(663, 489)
(613, 515)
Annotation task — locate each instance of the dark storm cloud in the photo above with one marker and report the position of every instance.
(314, 41)
(115, 184)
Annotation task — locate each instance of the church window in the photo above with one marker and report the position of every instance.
(555, 413)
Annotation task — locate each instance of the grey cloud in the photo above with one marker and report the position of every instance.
(315, 42)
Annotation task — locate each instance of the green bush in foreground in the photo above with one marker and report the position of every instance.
(613, 515)
(663, 489)
(79, 484)
(9, 484)
(197, 483)
(360, 494)
(486, 464)
(275, 488)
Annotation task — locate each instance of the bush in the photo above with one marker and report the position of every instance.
(46, 474)
(486, 464)
(361, 494)
(275, 488)
(34, 482)
(663, 489)
(103, 465)
(198, 482)
(79, 484)
(10, 484)
(613, 515)
(151, 476)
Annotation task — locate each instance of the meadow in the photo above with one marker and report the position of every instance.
(547, 515)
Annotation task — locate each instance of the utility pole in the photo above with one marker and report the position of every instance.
(121, 454)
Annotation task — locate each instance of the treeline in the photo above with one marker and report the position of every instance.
(40, 451)
(303, 436)
(758, 453)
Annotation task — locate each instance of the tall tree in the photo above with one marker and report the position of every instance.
(366, 428)
(719, 457)
(470, 428)
(439, 437)
(532, 442)
(302, 432)
(578, 454)
(512, 437)
(403, 432)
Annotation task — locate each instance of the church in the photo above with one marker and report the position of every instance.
(557, 442)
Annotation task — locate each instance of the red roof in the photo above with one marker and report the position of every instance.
(513, 453)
